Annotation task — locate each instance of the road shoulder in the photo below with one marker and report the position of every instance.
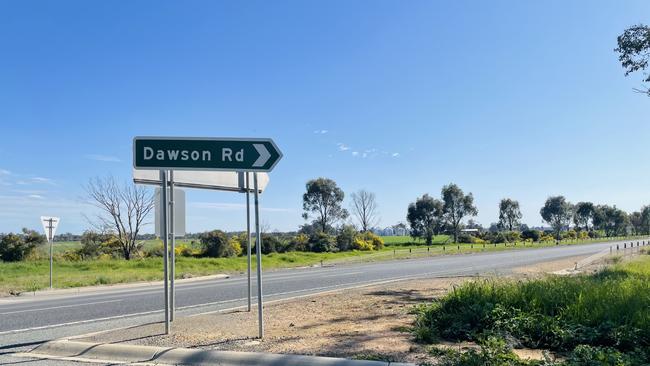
(372, 322)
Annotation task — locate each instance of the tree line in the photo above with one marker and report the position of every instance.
(429, 216)
(330, 227)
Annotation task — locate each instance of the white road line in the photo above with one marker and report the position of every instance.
(59, 307)
(147, 289)
(327, 288)
(341, 287)
(342, 274)
(154, 289)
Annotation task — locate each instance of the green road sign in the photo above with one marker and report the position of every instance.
(182, 153)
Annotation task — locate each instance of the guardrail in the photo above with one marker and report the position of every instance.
(441, 249)
(629, 247)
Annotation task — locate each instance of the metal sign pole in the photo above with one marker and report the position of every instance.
(258, 251)
(248, 237)
(164, 237)
(172, 237)
(50, 239)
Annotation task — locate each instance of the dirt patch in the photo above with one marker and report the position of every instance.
(541, 269)
(372, 322)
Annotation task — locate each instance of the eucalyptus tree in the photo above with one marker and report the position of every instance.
(583, 215)
(425, 216)
(509, 214)
(323, 201)
(557, 212)
(456, 206)
(634, 51)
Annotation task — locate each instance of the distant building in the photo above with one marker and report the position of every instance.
(390, 231)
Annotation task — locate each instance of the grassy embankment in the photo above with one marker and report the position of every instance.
(599, 319)
(33, 275)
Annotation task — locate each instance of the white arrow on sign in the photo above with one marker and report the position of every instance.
(49, 225)
(264, 155)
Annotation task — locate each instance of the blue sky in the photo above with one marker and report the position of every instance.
(505, 98)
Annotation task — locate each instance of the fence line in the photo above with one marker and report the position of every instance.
(437, 249)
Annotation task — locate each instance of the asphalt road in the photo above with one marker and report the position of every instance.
(34, 319)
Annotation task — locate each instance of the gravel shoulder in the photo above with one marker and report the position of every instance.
(371, 322)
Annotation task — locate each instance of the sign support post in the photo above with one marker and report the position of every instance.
(49, 226)
(164, 237)
(51, 240)
(172, 237)
(166, 154)
(248, 237)
(258, 252)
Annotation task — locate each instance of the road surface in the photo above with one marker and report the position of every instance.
(25, 320)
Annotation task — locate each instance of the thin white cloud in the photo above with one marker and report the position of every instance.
(25, 207)
(395, 155)
(4, 172)
(42, 180)
(106, 158)
(36, 196)
(355, 153)
(222, 206)
(321, 132)
(343, 147)
(28, 191)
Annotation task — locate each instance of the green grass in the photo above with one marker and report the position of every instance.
(407, 240)
(60, 247)
(587, 317)
(33, 274)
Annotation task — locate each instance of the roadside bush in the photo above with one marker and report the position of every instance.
(270, 244)
(582, 235)
(183, 250)
(345, 238)
(216, 244)
(594, 234)
(236, 245)
(322, 242)
(493, 352)
(479, 240)
(571, 234)
(602, 311)
(505, 237)
(362, 244)
(588, 355)
(94, 244)
(299, 242)
(534, 235)
(16, 247)
(513, 236)
(70, 256)
(465, 238)
(367, 241)
(546, 238)
(155, 251)
(376, 240)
